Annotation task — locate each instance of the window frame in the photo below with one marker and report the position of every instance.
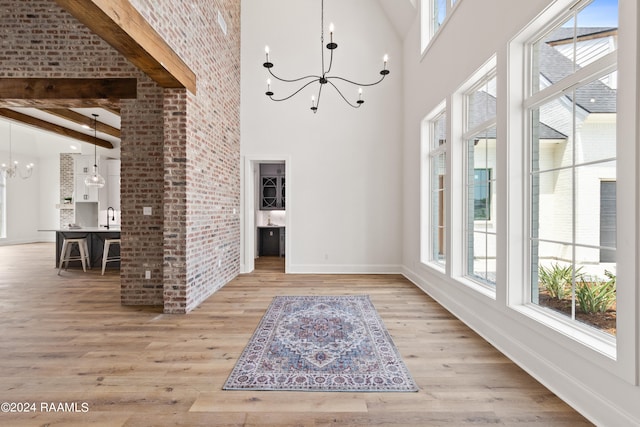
(522, 99)
(479, 79)
(431, 150)
(428, 32)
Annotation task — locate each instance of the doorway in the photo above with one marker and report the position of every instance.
(267, 220)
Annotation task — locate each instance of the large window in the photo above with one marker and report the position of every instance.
(435, 140)
(480, 175)
(571, 111)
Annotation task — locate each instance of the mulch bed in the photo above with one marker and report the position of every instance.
(605, 322)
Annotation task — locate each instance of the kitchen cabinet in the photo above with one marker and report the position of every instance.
(91, 201)
(84, 193)
(84, 168)
(271, 241)
(272, 186)
(282, 240)
(95, 242)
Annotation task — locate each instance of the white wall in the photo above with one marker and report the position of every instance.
(344, 184)
(23, 202)
(49, 216)
(602, 389)
(31, 202)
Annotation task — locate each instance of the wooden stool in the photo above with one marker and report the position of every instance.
(105, 253)
(65, 253)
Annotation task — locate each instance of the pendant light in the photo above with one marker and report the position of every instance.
(95, 180)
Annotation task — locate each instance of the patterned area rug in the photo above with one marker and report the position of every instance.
(321, 343)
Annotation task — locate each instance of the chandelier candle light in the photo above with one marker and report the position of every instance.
(12, 170)
(95, 180)
(324, 78)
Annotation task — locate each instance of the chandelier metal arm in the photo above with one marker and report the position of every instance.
(356, 83)
(293, 80)
(296, 92)
(344, 97)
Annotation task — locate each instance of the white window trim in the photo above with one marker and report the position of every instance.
(427, 257)
(483, 74)
(428, 34)
(623, 358)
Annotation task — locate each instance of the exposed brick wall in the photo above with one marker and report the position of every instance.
(202, 182)
(67, 187)
(141, 185)
(180, 152)
(40, 39)
(175, 201)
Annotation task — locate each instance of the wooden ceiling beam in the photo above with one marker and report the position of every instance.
(42, 89)
(82, 120)
(120, 24)
(50, 127)
(110, 105)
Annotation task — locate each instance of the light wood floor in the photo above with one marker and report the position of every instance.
(67, 339)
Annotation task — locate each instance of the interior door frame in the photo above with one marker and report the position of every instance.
(250, 175)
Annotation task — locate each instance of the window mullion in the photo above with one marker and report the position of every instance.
(480, 128)
(605, 65)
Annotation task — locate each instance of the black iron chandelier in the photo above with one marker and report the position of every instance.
(324, 78)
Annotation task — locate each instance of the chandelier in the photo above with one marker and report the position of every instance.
(324, 78)
(13, 170)
(95, 180)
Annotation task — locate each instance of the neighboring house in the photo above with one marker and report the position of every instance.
(593, 138)
(590, 138)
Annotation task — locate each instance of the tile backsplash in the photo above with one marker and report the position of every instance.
(67, 185)
(277, 217)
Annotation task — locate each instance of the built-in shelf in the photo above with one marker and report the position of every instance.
(65, 206)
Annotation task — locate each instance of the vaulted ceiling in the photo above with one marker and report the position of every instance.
(401, 13)
(136, 40)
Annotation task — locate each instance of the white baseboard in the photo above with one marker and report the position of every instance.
(344, 269)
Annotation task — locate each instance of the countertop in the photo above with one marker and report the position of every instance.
(271, 226)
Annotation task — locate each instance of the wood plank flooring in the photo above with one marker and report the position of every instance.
(67, 339)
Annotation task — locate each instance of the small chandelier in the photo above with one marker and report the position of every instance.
(12, 170)
(324, 78)
(95, 180)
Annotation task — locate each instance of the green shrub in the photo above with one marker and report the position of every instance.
(556, 280)
(596, 295)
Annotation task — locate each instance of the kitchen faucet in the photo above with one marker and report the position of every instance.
(114, 215)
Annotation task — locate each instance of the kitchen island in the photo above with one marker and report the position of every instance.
(95, 240)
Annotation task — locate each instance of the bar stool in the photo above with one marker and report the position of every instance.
(105, 253)
(65, 253)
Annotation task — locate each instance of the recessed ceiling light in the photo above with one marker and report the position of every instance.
(86, 127)
(73, 147)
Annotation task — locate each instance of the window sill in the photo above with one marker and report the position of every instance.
(440, 268)
(598, 341)
(480, 288)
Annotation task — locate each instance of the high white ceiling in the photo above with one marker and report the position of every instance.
(401, 13)
(29, 140)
